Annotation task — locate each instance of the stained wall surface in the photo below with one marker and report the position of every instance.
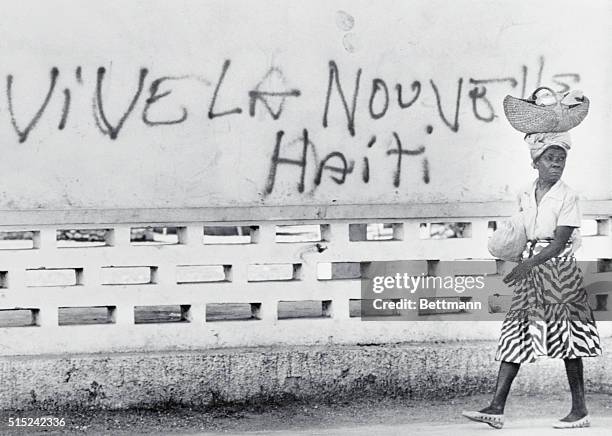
(150, 104)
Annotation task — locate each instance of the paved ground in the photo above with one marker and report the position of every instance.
(387, 416)
(539, 427)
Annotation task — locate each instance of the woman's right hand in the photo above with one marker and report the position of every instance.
(519, 272)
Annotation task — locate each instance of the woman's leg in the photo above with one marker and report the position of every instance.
(575, 377)
(505, 377)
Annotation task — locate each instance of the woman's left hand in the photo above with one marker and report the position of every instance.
(518, 273)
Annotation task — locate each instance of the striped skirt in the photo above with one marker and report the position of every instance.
(549, 314)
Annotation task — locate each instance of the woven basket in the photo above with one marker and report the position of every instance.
(527, 117)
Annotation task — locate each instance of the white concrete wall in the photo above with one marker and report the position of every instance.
(37, 279)
(216, 171)
(225, 161)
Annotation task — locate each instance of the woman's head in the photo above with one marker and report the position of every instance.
(551, 163)
(548, 152)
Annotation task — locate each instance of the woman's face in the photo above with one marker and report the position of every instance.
(551, 164)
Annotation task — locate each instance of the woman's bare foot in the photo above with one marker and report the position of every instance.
(575, 416)
(492, 410)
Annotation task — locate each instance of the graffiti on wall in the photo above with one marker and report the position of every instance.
(346, 97)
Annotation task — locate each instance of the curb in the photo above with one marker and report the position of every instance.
(325, 373)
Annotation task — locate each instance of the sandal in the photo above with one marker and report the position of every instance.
(495, 421)
(581, 423)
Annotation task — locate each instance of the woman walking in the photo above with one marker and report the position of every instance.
(549, 313)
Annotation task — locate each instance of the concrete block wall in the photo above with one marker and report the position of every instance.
(238, 156)
(260, 278)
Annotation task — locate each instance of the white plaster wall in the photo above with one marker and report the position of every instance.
(226, 161)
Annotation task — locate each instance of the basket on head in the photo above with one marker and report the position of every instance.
(527, 117)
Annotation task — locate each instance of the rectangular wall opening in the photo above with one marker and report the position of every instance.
(304, 309)
(53, 277)
(162, 314)
(231, 234)
(595, 227)
(155, 235)
(19, 240)
(603, 226)
(604, 265)
(445, 230)
(273, 272)
(18, 317)
(233, 312)
(86, 315)
(203, 273)
(340, 270)
(491, 227)
(302, 233)
(76, 238)
(588, 227)
(601, 302)
(356, 310)
(128, 275)
(375, 232)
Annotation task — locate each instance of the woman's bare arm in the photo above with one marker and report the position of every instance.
(562, 235)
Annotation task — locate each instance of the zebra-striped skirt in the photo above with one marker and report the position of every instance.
(549, 315)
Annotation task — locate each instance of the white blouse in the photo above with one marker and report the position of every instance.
(558, 207)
